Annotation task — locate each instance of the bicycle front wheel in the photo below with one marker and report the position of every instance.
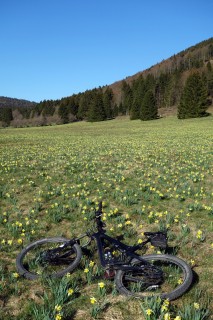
(32, 261)
(167, 276)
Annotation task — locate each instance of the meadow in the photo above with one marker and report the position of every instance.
(151, 176)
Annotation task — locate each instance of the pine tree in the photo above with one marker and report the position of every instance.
(169, 95)
(160, 89)
(135, 110)
(127, 97)
(48, 108)
(149, 109)
(121, 110)
(107, 103)
(72, 105)
(210, 78)
(84, 103)
(138, 92)
(6, 115)
(97, 112)
(150, 82)
(193, 101)
(63, 112)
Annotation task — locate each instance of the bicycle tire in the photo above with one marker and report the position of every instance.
(23, 266)
(124, 287)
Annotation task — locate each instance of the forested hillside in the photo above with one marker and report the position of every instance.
(17, 103)
(141, 96)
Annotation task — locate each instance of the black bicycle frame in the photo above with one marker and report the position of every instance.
(129, 251)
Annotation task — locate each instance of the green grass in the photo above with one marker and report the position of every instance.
(151, 175)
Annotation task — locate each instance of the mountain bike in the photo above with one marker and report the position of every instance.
(139, 276)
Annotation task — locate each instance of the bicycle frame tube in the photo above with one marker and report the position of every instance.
(100, 235)
(129, 250)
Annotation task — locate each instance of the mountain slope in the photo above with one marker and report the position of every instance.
(195, 56)
(6, 102)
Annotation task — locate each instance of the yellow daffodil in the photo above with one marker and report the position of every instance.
(15, 275)
(196, 305)
(91, 264)
(70, 292)
(164, 308)
(93, 300)
(199, 234)
(58, 308)
(101, 284)
(149, 312)
(167, 316)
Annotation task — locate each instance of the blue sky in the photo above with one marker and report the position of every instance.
(51, 49)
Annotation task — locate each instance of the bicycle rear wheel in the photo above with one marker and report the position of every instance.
(32, 261)
(176, 278)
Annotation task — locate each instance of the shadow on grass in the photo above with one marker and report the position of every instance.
(172, 250)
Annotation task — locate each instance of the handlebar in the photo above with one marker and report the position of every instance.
(157, 239)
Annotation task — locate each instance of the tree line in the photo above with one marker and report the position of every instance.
(185, 80)
(144, 98)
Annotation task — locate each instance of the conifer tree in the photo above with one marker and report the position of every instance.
(150, 82)
(107, 103)
(72, 105)
(135, 110)
(169, 95)
(209, 78)
(138, 91)
(127, 97)
(84, 103)
(63, 112)
(48, 108)
(96, 111)
(193, 101)
(121, 109)
(6, 115)
(149, 109)
(161, 88)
